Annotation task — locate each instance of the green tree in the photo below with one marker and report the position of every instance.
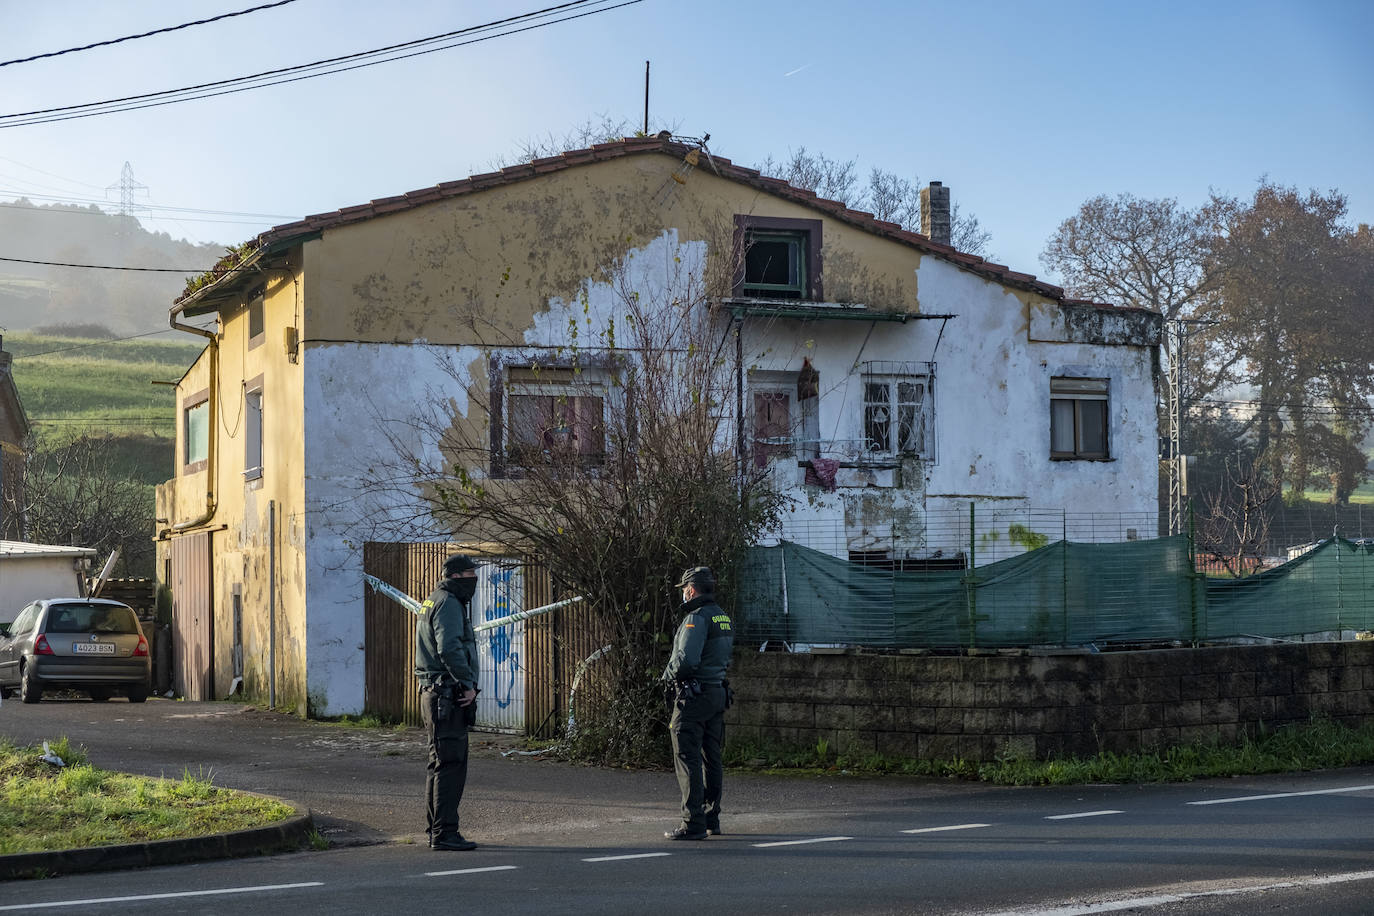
(1293, 306)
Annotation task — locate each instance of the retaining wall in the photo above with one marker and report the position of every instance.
(978, 707)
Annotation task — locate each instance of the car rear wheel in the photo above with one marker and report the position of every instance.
(138, 694)
(29, 691)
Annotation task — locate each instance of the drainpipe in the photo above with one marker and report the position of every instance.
(212, 449)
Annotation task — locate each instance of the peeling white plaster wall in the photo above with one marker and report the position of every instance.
(354, 394)
(663, 271)
(991, 416)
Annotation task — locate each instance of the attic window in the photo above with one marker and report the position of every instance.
(778, 258)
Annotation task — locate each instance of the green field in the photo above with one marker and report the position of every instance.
(70, 384)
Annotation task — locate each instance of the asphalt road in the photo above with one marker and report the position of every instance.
(564, 839)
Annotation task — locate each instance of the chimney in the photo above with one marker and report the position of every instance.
(935, 213)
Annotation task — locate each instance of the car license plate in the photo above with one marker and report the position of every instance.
(93, 648)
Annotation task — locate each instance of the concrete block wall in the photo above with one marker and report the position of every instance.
(979, 707)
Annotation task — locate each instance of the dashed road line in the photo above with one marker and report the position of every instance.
(640, 855)
(1249, 798)
(950, 827)
(470, 871)
(1068, 817)
(91, 901)
(819, 839)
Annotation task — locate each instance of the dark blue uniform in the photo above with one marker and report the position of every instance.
(446, 667)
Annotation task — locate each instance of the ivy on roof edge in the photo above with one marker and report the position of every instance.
(233, 257)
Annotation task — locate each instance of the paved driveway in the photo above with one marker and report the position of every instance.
(366, 785)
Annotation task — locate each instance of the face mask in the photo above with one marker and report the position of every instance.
(463, 588)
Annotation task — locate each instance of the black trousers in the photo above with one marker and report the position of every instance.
(697, 728)
(446, 773)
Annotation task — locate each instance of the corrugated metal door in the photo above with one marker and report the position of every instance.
(193, 645)
(501, 650)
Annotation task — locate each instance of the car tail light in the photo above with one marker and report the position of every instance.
(142, 648)
(40, 645)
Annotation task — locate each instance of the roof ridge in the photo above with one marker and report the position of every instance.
(660, 143)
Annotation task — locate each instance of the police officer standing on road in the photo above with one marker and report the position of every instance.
(696, 679)
(446, 667)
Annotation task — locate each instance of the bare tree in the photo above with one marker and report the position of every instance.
(1235, 522)
(609, 456)
(73, 496)
(886, 195)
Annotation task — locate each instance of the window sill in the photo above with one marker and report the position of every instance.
(253, 474)
(195, 467)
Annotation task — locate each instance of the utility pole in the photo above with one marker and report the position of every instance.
(1177, 409)
(1177, 330)
(646, 98)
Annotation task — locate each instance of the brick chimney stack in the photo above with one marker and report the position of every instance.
(935, 213)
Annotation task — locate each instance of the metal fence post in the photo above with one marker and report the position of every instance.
(972, 580)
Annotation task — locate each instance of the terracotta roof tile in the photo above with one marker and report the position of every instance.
(659, 145)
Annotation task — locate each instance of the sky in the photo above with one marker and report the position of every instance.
(1024, 109)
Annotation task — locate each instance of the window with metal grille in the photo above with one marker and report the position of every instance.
(1078, 417)
(898, 409)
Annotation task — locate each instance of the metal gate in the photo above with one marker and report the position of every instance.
(193, 644)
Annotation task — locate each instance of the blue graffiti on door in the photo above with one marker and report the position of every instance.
(503, 659)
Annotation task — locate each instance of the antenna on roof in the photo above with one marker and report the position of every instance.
(696, 146)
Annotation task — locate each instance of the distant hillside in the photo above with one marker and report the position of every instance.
(127, 302)
(72, 385)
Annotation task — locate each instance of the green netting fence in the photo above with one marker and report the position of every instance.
(1062, 594)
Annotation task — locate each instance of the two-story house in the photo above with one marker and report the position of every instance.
(878, 374)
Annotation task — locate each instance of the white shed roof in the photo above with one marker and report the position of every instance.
(24, 549)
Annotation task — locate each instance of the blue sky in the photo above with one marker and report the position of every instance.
(1024, 109)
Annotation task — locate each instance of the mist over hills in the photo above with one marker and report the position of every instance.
(126, 302)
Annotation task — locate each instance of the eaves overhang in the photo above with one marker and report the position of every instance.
(231, 279)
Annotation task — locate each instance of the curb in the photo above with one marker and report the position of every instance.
(283, 836)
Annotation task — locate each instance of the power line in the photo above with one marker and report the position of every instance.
(97, 343)
(323, 67)
(109, 267)
(174, 28)
(160, 207)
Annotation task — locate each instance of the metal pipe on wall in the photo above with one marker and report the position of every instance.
(272, 604)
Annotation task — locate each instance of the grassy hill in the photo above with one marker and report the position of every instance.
(73, 385)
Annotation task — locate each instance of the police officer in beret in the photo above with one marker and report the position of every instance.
(697, 687)
(446, 667)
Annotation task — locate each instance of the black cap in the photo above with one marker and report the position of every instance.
(458, 563)
(700, 577)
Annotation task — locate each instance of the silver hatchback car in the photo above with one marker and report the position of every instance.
(90, 644)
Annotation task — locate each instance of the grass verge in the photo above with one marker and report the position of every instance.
(1319, 744)
(46, 807)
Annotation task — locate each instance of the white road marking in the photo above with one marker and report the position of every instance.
(640, 855)
(950, 827)
(224, 890)
(1152, 900)
(1068, 817)
(819, 839)
(1246, 798)
(470, 871)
